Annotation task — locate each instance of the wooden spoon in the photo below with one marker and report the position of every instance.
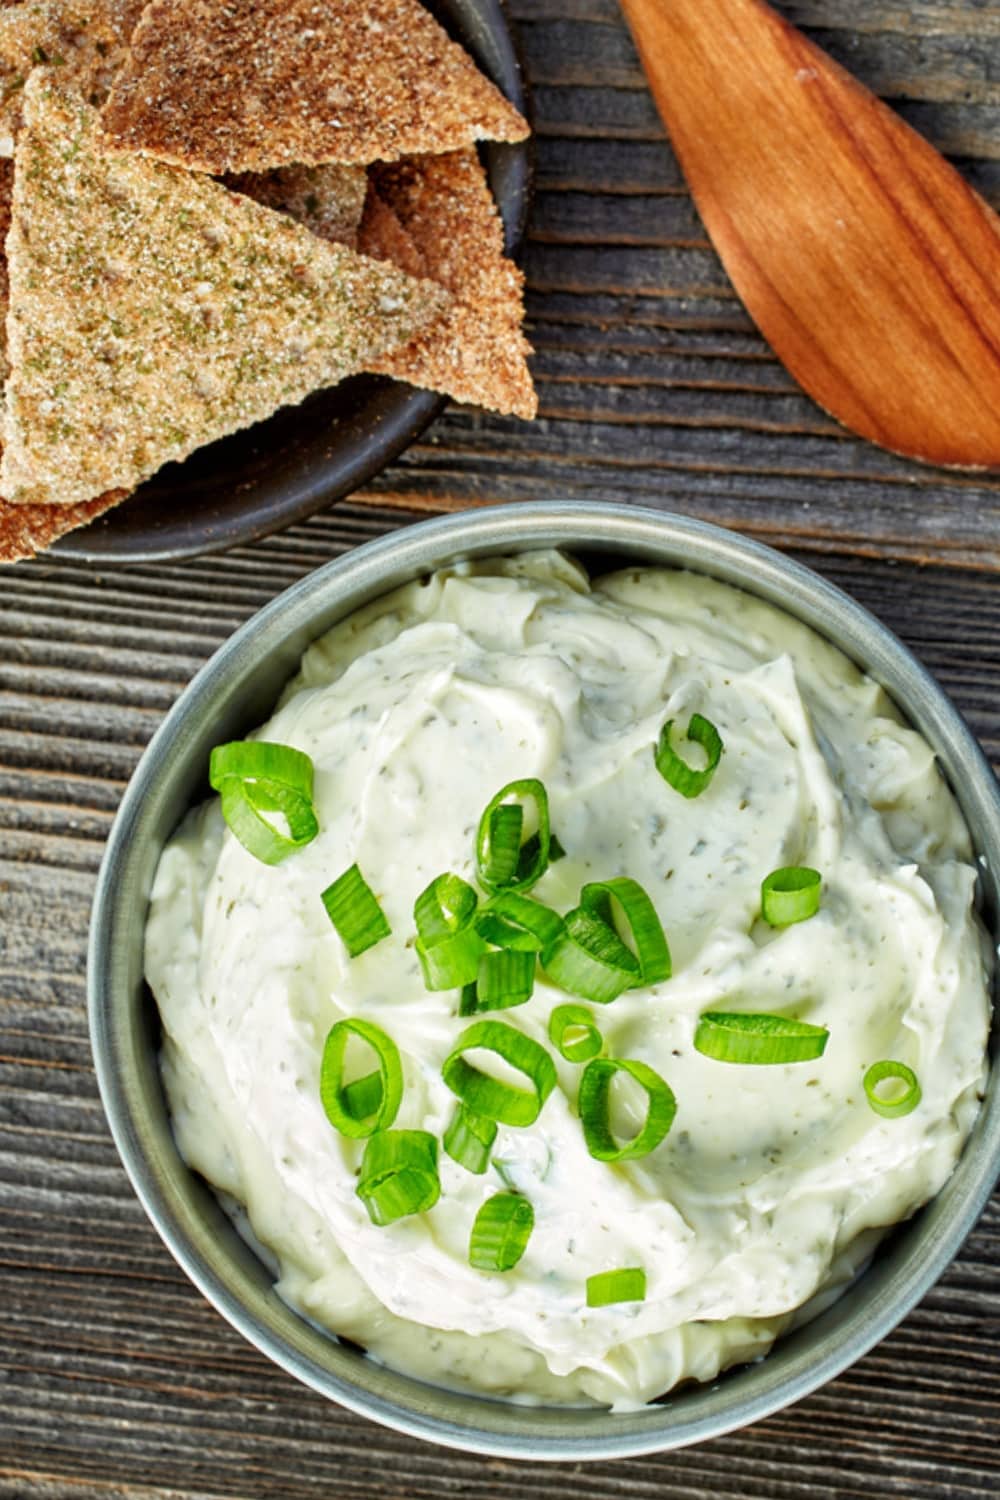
(871, 268)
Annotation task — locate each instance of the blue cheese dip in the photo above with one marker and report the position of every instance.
(773, 1183)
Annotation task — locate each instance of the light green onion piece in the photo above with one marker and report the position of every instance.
(895, 1104)
(489, 1097)
(651, 947)
(607, 1287)
(370, 1103)
(789, 895)
(399, 1175)
(675, 771)
(573, 1033)
(504, 979)
(498, 864)
(589, 959)
(352, 908)
(594, 1105)
(469, 1139)
(254, 777)
(444, 908)
(744, 1037)
(501, 1232)
(451, 962)
(511, 920)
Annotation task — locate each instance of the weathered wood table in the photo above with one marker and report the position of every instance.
(116, 1379)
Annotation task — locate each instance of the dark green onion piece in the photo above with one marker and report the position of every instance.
(469, 1139)
(355, 913)
(511, 920)
(501, 1232)
(453, 961)
(444, 908)
(896, 1104)
(399, 1175)
(748, 1038)
(504, 979)
(254, 777)
(589, 959)
(594, 1105)
(675, 771)
(573, 1033)
(370, 1103)
(489, 1097)
(556, 850)
(607, 1287)
(651, 947)
(495, 839)
(789, 895)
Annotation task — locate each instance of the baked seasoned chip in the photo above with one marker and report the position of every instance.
(476, 351)
(28, 529)
(384, 237)
(153, 311)
(85, 39)
(252, 84)
(328, 199)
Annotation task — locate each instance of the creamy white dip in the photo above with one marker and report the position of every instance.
(415, 712)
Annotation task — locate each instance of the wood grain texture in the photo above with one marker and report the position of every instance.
(117, 1381)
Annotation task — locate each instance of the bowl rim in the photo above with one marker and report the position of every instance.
(642, 535)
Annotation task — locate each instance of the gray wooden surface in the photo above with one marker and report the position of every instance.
(116, 1379)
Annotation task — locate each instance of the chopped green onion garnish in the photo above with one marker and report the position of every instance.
(469, 1139)
(675, 771)
(444, 908)
(626, 1285)
(367, 1104)
(589, 959)
(647, 934)
(747, 1038)
(399, 1175)
(504, 979)
(511, 920)
(895, 1103)
(355, 913)
(556, 850)
(488, 1096)
(501, 1232)
(790, 895)
(254, 777)
(501, 861)
(453, 961)
(594, 1104)
(573, 1033)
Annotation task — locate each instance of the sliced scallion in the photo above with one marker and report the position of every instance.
(501, 1232)
(469, 1139)
(399, 1175)
(502, 862)
(254, 777)
(444, 908)
(594, 1105)
(675, 771)
(650, 943)
(589, 959)
(488, 1096)
(453, 961)
(745, 1037)
(505, 978)
(608, 1287)
(354, 911)
(896, 1103)
(573, 1033)
(789, 895)
(369, 1103)
(511, 920)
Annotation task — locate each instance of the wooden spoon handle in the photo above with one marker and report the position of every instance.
(871, 268)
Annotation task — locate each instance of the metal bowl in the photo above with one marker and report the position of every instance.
(235, 691)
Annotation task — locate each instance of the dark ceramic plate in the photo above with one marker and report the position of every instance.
(305, 457)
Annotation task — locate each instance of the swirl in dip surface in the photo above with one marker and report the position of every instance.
(773, 1182)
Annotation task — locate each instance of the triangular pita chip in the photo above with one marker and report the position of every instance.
(28, 529)
(153, 311)
(329, 200)
(253, 84)
(384, 237)
(476, 351)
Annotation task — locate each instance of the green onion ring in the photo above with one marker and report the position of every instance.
(469, 1139)
(790, 895)
(254, 777)
(574, 1018)
(451, 962)
(589, 959)
(504, 979)
(444, 908)
(675, 771)
(488, 1096)
(608, 1287)
(399, 1175)
(903, 1104)
(746, 1037)
(651, 948)
(494, 869)
(594, 1105)
(501, 1232)
(351, 905)
(510, 920)
(357, 1109)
